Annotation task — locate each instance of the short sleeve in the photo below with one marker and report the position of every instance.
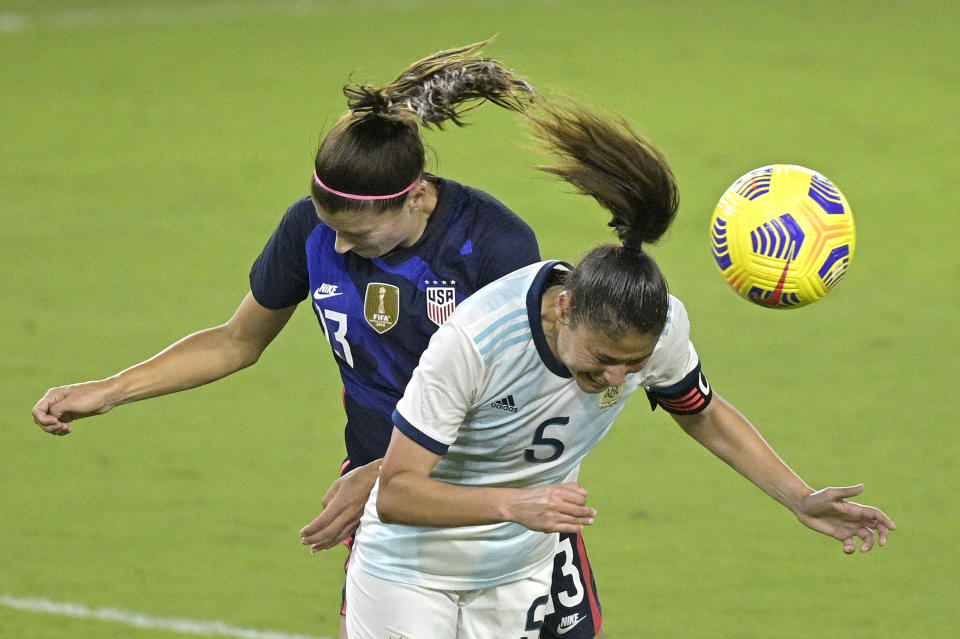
(441, 391)
(279, 276)
(673, 378)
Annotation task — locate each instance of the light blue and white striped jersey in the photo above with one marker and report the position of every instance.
(490, 397)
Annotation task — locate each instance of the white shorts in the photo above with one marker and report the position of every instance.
(380, 609)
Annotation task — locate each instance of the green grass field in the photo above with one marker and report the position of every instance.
(149, 150)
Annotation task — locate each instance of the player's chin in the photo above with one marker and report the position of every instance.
(589, 385)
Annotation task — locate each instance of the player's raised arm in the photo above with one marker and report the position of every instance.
(195, 360)
(729, 435)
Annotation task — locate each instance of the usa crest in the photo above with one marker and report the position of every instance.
(441, 300)
(381, 306)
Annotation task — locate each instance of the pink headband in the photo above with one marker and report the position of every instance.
(351, 196)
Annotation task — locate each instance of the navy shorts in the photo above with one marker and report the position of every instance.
(572, 610)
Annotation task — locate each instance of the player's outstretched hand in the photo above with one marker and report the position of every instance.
(342, 508)
(552, 508)
(60, 406)
(828, 511)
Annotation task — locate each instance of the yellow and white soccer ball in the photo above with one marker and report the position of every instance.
(782, 236)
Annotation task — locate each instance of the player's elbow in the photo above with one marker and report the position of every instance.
(387, 510)
(226, 348)
(391, 501)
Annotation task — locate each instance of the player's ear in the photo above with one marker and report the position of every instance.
(417, 194)
(562, 304)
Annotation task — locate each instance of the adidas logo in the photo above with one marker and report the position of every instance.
(506, 403)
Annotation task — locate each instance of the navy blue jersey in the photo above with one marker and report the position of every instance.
(379, 314)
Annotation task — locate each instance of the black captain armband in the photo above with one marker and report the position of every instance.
(690, 395)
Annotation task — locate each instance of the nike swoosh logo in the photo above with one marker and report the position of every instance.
(564, 629)
(317, 295)
(774, 299)
(704, 385)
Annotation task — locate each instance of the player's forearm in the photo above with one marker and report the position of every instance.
(731, 437)
(195, 360)
(416, 500)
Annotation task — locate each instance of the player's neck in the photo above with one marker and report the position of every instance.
(548, 316)
(423, 210)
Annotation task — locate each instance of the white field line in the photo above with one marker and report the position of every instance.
(183, 626)
(158, 14)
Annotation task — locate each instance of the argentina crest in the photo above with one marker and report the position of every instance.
(441, 300)
(381, 306)
(610, 396)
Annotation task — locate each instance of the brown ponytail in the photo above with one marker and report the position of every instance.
(376, 148)
(616, 288)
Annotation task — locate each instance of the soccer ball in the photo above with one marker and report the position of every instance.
(782, 236)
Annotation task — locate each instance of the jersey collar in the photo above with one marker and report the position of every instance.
(548, 275)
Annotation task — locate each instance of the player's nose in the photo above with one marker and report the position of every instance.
(615, 375)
